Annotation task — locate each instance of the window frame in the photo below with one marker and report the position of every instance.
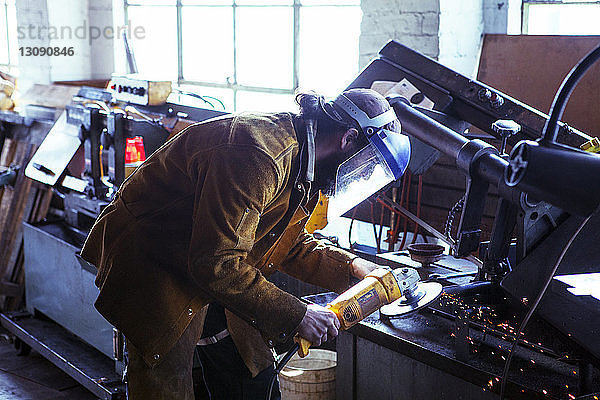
(527, 3)
(11, 65)
(234, 85)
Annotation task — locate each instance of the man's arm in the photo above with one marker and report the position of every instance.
(239, 182)
(315, 262)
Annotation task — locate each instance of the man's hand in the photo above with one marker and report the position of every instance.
(318, 325)
(361, 267)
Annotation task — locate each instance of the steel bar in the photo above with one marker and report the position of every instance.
(398, 208)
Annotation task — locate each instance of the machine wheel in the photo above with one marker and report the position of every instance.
(23, 349)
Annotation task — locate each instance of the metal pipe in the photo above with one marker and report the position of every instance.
(426, 129)
(488, 165)
(398, 208)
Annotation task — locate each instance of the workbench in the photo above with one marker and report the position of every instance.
(454, 349)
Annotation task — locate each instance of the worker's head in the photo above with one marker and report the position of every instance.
(358, 144)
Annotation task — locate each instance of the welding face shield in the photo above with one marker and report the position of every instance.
(382, 161)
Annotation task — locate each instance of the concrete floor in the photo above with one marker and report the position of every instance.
(33, 377)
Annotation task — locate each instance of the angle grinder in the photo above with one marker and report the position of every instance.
(397, 293)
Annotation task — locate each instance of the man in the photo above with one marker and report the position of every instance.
(184, 248)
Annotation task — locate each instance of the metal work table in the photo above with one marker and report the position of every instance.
(87, 366)
(442, 352)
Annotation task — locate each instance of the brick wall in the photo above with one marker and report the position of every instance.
(414, 23)
(448, 30)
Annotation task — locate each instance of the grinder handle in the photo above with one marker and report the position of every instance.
(304, 346)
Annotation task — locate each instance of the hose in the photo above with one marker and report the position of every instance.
(559, 103)
(280, 366)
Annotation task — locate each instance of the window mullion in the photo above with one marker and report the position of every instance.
(179, 43)
(235, 66)
(125, 13)
(296, 39)
(7, 33)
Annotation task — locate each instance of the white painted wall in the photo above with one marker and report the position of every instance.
(100, 14)
(82, 24)
(502, 16)
(460, 33)
(495, 16)
(30, 15)
(70, 19)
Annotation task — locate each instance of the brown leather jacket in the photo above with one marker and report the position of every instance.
(207, 217)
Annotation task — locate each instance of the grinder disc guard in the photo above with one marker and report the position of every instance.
(425, 294)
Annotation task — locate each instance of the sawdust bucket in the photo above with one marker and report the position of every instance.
(309, 378)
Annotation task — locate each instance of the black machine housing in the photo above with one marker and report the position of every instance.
(543, 210)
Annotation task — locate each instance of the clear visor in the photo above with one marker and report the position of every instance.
(358, 178)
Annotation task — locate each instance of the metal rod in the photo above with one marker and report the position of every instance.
(496, 333)
(398, 208)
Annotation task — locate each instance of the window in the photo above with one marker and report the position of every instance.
(8, 34)
(250, 54)
(556, 17)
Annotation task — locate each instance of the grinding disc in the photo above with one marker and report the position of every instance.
(425, 294)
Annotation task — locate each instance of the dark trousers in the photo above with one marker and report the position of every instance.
(225, 374)
(227, 377)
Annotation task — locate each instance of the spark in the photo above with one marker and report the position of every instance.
(533, 362)
(574, 372)
(544, 391)
(571, 396)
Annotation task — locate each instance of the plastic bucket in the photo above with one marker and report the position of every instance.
(309, 378)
